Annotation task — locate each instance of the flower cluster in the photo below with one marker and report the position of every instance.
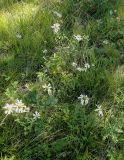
(56, 27)
(17, 107)
(84, 99)
(47, 88)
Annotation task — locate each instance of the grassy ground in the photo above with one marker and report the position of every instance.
(48, 71)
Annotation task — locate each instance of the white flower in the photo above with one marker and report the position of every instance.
(57, 14)
(86, 65)
(74, 64)
(19, 36)
(48, 88)
(9, 108)
(105, 42)
(36, 115)
(56, 27)
(99, 110)
(78, 37)
(84, 99)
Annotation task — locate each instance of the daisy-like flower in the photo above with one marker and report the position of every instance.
(78, 37)
(9, 108)
(19, 36)
(99, 110)
(106, 42)
(36, 115)
(57, 14)
(56, 27)
(47, 88)
(84, 99)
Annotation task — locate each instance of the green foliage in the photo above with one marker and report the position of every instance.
(48, 70)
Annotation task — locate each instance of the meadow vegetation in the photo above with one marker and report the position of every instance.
(61, 79)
